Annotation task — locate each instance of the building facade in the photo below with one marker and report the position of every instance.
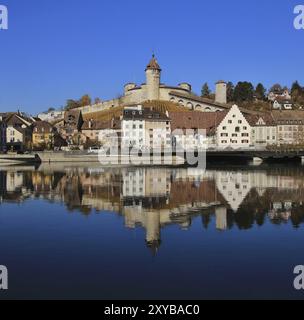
(18, 132)
(145, 128)
(43, 135)
(264, 130)
(290, 127)
(234, 131)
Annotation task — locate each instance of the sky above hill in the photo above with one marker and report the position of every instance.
(60, 49)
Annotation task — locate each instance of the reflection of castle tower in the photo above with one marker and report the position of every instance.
(153, 230)
(153, 74)
(221, 218)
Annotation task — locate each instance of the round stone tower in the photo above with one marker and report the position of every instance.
(153, 74)
(221, 92)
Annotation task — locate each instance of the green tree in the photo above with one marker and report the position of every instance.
(230, 91)
(276, 88)
(206, 91)
(260, 92)
(244, 92)
(296, 88)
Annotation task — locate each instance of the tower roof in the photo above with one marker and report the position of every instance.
(153, 64)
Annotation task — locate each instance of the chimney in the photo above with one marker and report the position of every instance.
(221, 92)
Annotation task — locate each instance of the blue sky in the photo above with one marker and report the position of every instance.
(60, 49)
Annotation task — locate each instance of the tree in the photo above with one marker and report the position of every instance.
(85, 100)
(244, 92)
(296, 88)
(230, 91)
(71, 104)
(206, 91)
(97, 101)
(51, 109)
(260, 92)
(276, 88)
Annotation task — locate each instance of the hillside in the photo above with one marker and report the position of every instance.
(160, 106)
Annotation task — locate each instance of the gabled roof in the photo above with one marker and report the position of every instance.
(253, 120)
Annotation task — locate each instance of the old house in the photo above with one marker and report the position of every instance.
(145, 128)
(290, 126)
(70, 127)
(43, 135)
(264, 130)
(18, 132)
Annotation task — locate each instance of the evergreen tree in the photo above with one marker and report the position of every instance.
(244, 92)
(230, 91)
(260, 92)
(206, 91)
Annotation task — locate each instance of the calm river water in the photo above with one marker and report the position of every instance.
(151, 233)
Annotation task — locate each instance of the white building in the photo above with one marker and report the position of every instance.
(144, 128)
(264, 130)
(234, 131)
(51, 116)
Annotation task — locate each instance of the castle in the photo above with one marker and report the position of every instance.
(153, 90)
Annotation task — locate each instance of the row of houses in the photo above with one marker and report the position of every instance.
(147, 127)
(236, 129)
(20, 132)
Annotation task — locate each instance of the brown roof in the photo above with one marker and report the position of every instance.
(267, 118)
(197, 120)
(101, 125)
(283, 100)
(288, 115)
(42, 127)
(153, 64)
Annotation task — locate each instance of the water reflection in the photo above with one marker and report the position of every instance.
(154, 198)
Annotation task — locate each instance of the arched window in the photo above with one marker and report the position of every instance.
(190, 105)
(181, 102)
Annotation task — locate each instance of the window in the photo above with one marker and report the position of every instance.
(134, 126)
(240, 121)
(237, 129)
(245, 141)
(244, 128)
(140, 126)
(224, 128)
(245, 135)
(230, 121)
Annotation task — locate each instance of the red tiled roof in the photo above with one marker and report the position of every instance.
(197, 120)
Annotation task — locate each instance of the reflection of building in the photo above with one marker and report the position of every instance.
(154, 198)
(221, 218)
